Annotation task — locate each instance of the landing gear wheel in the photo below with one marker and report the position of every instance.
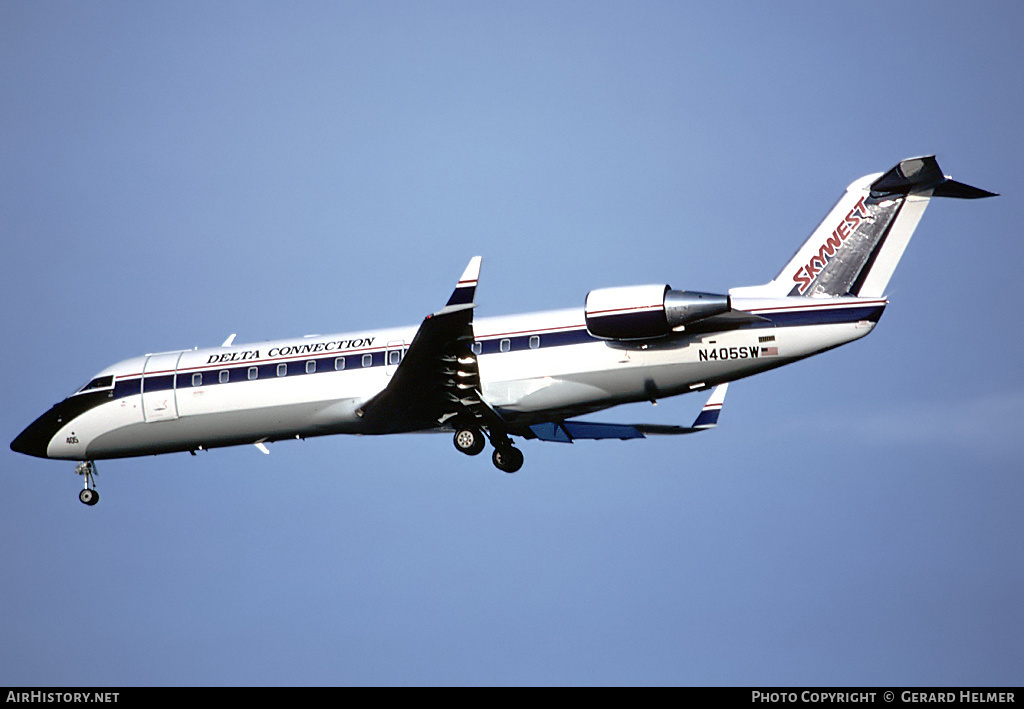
(469, 441)
(88, 495)
(507, 458)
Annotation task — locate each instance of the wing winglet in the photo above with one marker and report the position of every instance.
(465, 289)
(708, 416)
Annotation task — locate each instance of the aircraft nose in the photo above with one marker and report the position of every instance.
(35, 439)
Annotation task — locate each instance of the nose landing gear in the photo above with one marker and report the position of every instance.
(88, 495)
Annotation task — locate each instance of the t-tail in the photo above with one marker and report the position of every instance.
(854, 251)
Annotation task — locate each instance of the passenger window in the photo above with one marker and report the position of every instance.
(534, 341)
(339, 364)
(367, 360)
(394, 356)
(282, 369)
(310, 366)
(224, 376)
(505, 345)
(253, 373)
(478, 347)
(197, 380)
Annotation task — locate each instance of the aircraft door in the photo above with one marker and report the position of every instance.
(159, 388)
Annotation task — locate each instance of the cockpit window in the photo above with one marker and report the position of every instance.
(99, 383)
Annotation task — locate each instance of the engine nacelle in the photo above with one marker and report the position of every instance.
(645, 312)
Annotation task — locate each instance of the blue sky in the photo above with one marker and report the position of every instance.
(171, 173)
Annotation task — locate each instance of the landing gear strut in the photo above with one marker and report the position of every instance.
(88, 495)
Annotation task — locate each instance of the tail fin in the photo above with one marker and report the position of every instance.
(856, 249)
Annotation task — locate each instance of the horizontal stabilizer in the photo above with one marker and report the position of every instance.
(952, 188)
(916, 175)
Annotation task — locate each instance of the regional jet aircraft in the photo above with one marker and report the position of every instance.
(492, 379)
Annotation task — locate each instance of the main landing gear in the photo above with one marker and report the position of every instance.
(507, 458)
(88, 495)
(471, 441)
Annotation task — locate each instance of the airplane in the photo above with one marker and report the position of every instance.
(527, 376)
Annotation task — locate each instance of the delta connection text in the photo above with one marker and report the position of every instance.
(907, 696)
(287, 350)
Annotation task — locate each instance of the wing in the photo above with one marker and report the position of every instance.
(568, 431)
(438, 377)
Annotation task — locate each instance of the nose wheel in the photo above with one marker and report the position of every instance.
(88, 495)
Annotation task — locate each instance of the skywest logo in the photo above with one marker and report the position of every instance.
(806, 273)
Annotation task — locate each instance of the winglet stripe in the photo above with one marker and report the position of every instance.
(708, 416)
(465, 289)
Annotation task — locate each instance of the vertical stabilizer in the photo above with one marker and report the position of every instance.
(854, 251)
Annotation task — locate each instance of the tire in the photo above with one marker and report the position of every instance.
(89, 497)
(507, 459)
(469, 441)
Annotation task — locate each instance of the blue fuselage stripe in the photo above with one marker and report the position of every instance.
(488, 345)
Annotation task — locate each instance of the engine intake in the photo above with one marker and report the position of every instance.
(645, 312)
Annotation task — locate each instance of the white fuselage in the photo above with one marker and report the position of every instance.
(538, 366)
(488, 380)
